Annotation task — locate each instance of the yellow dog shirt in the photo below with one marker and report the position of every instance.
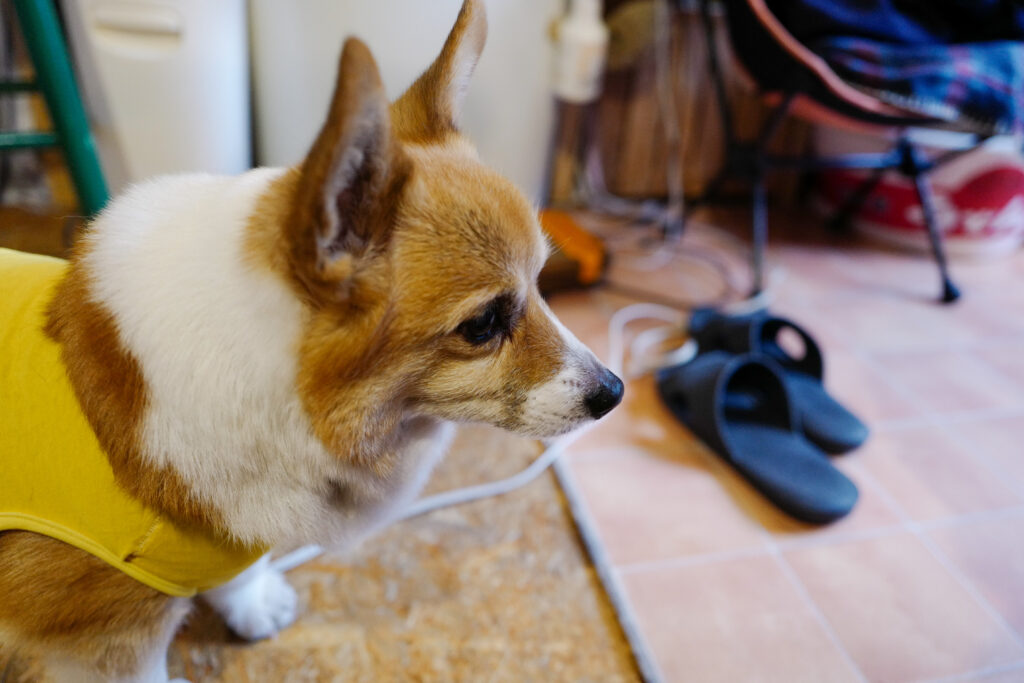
(54, 477)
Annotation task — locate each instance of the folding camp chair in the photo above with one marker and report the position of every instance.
(797, 81)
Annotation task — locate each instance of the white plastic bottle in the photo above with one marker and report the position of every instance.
(581, 47)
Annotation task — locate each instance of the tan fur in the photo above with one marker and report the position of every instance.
(420, 238)
(65, 601)
(420, 115)
(455, 242)
(266, 245)
(321, 259)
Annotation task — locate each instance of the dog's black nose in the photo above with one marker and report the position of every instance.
(605, 397)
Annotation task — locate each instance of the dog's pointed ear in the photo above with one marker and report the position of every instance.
(429, 110)
(344, 203)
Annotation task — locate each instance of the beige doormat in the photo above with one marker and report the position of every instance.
(496, 590)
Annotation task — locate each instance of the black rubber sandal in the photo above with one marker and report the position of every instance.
(741, 408)
(824, 420)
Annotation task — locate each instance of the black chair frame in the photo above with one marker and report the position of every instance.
(751, 160)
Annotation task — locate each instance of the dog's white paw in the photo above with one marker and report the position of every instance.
(269, 607)
(260, 607)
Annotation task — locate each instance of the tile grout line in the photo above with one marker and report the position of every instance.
(905, 523)
(929, 418)
(1000, 472)
(997, 343)
(870, 359)
(832, 538)
(902, 515)
(815, 610)
(836, 538)
(646, 662)
(919, 532)
(937, 421)
(980, 415)
(978, 517)
(957, 678)
(898, 425)
(1000, 342)
(951, 417)
(698, 560)
(968, 586)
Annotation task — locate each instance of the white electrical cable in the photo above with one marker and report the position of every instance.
(616, 352)
(639, 350)
(616, 329)
(471, 493)
(297, 557)
(622, 317)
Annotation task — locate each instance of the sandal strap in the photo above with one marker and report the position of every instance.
(760, 335)
(703, 385)
(708, 327)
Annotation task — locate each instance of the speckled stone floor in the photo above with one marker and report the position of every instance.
(497, 590)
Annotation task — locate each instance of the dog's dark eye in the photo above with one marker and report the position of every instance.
(482, 328)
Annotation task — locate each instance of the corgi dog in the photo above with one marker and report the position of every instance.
(277, 359)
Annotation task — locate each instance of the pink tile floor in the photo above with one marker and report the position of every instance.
(924, 581)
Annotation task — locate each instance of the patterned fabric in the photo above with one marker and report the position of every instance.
(903, 22)
(961, 61)
(974, 86)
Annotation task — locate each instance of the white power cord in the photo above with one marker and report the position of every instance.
(616, 357)
(496, 488)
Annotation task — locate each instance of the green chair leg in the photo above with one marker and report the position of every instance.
(56, 81)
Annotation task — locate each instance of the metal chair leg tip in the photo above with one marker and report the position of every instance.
(950, 293)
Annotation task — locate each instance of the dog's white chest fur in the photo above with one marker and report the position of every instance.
(215, 337)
